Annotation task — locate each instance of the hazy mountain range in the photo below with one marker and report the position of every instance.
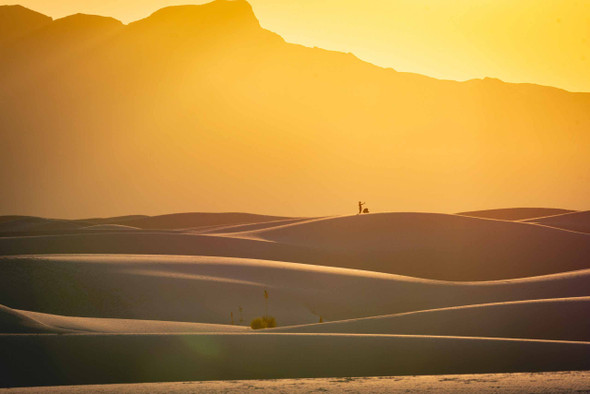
(199, 108)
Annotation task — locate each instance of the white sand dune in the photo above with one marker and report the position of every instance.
(116, 304)
(237, 228)
(515, 213)
(14, 321)
(57, 323)
(208, 289)
(114, 220)
(117, 358)
(34, 224)
(110, 227)
(436, 246)
(197, 219)
(561, 318)
(575, 221)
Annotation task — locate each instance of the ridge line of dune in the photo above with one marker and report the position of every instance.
(448, 308)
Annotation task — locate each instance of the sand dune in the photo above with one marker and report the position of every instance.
(211, 288)
(233, 228)
(13, 321)
(436, 246)
(515, 213)
(575, 221)
(57, 323)
(198, 219)
(114, 220)
(11, 218)
(177, 221)
(109, 227)
(514, 383)
(560, 319)
(34, 224)
(94, 359)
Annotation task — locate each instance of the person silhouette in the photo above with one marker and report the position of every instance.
(361, 207)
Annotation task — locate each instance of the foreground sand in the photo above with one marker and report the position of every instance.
(53, 359)
(544, 382)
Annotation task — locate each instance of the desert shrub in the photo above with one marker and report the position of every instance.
(263, 322)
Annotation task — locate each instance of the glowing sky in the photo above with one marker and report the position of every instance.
(538, 41)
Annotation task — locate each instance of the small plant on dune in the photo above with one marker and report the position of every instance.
(266, 321)
(263, 322)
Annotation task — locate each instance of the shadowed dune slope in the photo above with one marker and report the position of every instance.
(63, 359)
(57, 323)
(198, 219)
(560, 319)
(439, 246)
(16, 322)
(435, 246)
(212, 288)
(113, 220)
(515, 213)
(36, 224)
(575, 221)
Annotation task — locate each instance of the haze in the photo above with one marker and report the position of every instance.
(199, 108)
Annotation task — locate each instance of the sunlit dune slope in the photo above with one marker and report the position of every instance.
(210, 289)
(515, 213)
(575, 221)
(159, 108)
(65, 360)
(17, 321)
(560, 318)
(435, 246)
(233, 229)
(109, 227)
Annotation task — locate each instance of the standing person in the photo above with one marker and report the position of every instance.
(361, 207)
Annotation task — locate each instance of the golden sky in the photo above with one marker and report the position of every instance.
(538, 41)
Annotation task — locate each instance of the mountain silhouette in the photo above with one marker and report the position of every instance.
(198, 103)
(16, 21)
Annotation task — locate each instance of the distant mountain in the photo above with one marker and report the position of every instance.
(17, 21)
(198, 106)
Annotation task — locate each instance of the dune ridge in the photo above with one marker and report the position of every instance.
(574, 221)
(556, 318)
(515, 213)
